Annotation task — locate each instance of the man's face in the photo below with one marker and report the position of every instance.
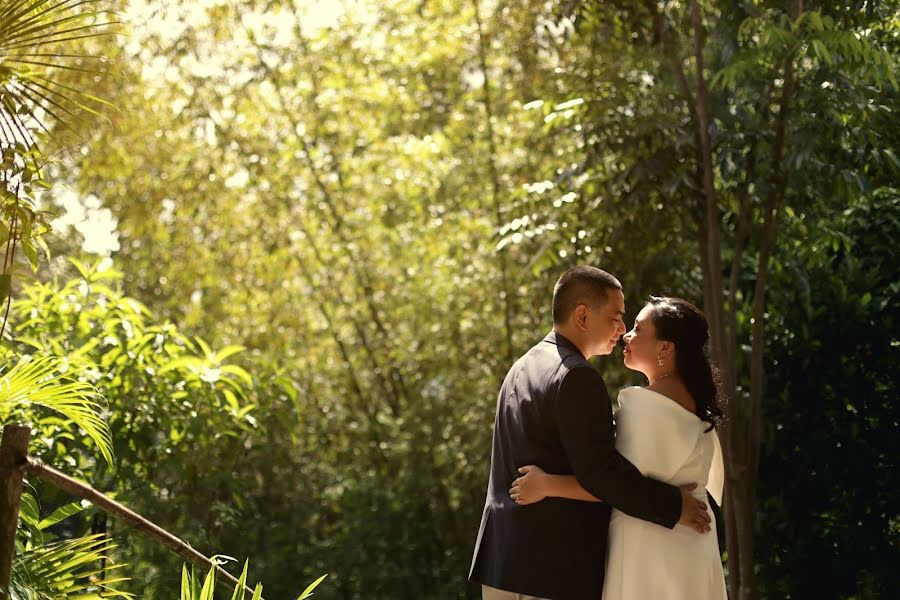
(605, 323)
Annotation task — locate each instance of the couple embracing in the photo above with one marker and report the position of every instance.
(579, 508)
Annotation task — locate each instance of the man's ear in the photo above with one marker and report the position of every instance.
(580, 316)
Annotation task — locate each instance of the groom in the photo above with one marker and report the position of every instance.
(554, 412)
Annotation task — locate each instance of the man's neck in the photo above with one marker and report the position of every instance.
(574, 339)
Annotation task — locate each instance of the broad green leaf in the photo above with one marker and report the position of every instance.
(245, 377)
(61, 513)
(225, 352)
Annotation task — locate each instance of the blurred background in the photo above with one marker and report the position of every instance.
(302, 243)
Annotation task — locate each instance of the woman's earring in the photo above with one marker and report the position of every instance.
(659, 361)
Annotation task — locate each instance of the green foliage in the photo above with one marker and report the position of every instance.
(39, 41)
(66, 570)
(22, 223)
(36, 43)
(833, 417)
(169, 400)
(48, 567)
(51, 383)
(192, 590)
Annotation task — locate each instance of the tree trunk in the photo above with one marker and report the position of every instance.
(737, 512)
(715, 309)
(757, 368)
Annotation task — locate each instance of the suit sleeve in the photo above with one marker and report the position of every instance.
(585, 426)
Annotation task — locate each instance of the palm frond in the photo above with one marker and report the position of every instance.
(26, 12)
(44, 38)
(67, 569)
(37, 99)
(9, 113)
(36, 43)
(54, 40)
(12, 127)
(37, 63)
(50, 383)
(36, 77)
(35, 85)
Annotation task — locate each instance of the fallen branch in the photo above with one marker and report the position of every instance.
(50, 475)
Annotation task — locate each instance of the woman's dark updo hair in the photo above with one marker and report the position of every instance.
(680, 322)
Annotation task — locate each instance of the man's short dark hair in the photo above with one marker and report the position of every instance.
(581, 285)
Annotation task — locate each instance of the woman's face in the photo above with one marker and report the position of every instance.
(642, 348)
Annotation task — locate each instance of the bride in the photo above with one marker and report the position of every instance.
(667, 430)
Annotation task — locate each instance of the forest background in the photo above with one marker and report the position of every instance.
(310, 238)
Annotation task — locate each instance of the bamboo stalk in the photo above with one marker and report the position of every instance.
(132, 519)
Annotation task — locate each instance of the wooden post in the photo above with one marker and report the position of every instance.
(13, 455)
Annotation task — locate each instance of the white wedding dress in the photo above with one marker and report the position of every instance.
(647, 561)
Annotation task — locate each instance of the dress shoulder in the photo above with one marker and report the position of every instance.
(654, 432)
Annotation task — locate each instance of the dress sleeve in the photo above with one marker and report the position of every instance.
(648, 434)
(715, 485)
(656, 435)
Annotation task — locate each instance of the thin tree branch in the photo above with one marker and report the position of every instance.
(737, 258)
(670, 46)
(338, 225)
(336, 298)
(770, 213)
(495, 177)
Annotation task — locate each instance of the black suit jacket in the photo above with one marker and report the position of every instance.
(554, 412)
